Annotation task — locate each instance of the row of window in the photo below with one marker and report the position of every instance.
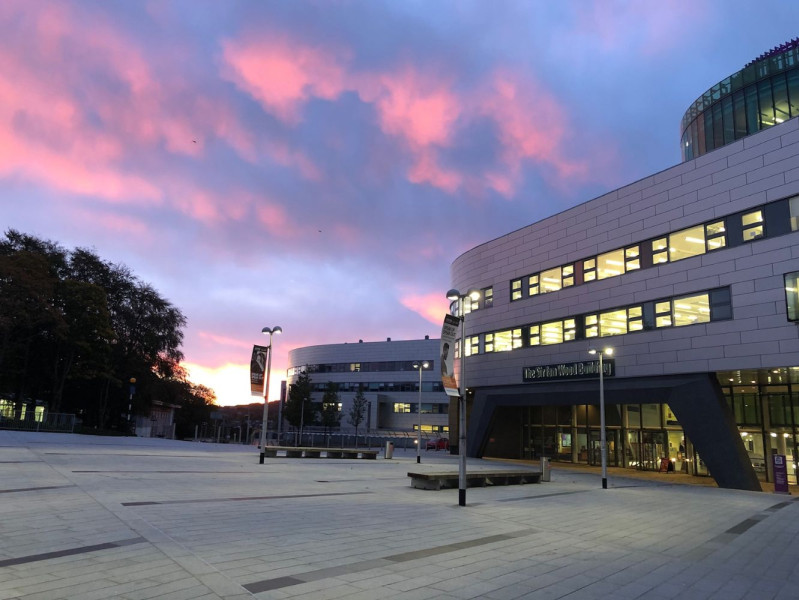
(427, 409)
(381, 386)
(359, 367)
(746, 111)
(775, 218)
(486, 300)
(702, 307)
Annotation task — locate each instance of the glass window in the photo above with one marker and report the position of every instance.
(715, 235)
(505, 341)
(589, 269)
(726, 115)
(793, 92)
(488, 297)
(781, 110)
(613, 322)
(535, 335)
(793, 206)
(632, 258)
(752, 225)
(515, 289)
(766, 103)
(550, 280)
(472, 345)
(720, 304)
(663, 314)
(740, 114)
(660, 251)
(635, 319)
(569, 329)
(400, 407)
(552, 333)
(568, 275)
(488, 345)
(752, 118)
(686, 243)
(610, 264)
(591, 326)
(792, 295)
(691, 309)
(532, 285)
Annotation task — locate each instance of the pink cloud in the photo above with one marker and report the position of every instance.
(223, 340)
(432, 306)
(281, 73)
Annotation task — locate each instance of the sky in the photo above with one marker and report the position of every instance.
(319, 165)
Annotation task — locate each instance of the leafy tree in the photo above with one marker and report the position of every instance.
(300, 410)
(358, 411)
(331, 415)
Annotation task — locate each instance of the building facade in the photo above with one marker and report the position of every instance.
(690, 276)
(385, 373)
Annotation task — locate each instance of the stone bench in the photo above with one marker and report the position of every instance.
(303, 452)
(450, 479)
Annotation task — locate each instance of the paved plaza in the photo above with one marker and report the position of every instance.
(91, 518)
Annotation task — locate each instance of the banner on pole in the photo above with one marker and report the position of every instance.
(449, 331)
(257, 370)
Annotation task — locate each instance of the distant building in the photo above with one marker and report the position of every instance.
(385, 373)
(691, 275)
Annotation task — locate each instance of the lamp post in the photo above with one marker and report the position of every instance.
(270, 332)
(130, 401)
(420, 365)
(455, 295)
(603, 449)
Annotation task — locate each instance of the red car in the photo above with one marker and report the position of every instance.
(437, 444)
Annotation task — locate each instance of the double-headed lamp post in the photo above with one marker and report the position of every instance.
(270, 331)
(603, 447)
(420, 365)
(454, 295)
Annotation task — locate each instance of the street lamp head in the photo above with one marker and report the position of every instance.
(425, 365)
(608, 351)
(604, 352)
(453, 294)
(474, 294)
(272, 330)
(592, 351)
(421, 364)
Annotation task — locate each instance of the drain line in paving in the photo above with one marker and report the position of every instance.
(241, 499)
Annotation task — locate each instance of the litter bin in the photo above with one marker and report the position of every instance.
(544, 468)
(389, 450)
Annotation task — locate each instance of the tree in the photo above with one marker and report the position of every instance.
(331, 415)
(300, 410)
(358, 411)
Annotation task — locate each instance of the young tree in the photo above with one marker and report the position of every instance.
(299, 410)
(358, 411)
(331, 415)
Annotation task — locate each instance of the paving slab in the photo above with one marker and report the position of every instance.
(99, 517)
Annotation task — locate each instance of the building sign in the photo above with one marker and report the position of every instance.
(448, 332)
(586, 369)
(257, 369)
(780, 474)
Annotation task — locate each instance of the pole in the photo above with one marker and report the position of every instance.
(462, 412)
(602, 438)
(419, 433)
(265, 425)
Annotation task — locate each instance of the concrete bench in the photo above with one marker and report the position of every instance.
(450, 479)
(303, 452)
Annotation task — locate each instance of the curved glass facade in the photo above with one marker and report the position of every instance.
(763, 94)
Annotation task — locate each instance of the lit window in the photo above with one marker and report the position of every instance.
(632, 258)
(691, 309)
(515, 289)
(793, 204)
(535, 335)
(505, 341)
(792, 295)
(635, 320)
(591, 326)
(355, 367)
(488, 297)
(663, 314)
(550, 280)
(532, 285)
(613, 322)
(660, 251)
(715, 233)
(488, 344)
(400, 407)
(568, 275)
(687, 243)
(569, 329)
(752, 225)
(589, 269)
(610, 264)
(472, 345)
(552, 333)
